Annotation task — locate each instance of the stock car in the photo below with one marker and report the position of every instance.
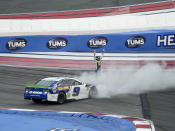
(59, 89)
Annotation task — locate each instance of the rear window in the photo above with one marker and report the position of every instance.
(44, 83)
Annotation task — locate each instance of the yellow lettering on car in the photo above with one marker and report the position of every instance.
(63, 88)
(60, 88)
(54, 91)
(66, 88)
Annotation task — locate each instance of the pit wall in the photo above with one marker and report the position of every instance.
(141, 42)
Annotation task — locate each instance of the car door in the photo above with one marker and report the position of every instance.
(78, 90)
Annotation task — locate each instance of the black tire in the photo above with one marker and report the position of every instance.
(93, 92)
(36, 100)
(61, 98)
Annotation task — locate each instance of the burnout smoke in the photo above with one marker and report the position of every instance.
(151, 77)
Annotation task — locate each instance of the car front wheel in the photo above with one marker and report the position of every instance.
(92, 92)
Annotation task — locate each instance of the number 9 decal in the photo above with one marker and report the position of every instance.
(76, 91)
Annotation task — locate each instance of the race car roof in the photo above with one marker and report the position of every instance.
(56, 78)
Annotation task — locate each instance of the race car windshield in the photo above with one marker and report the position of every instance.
(44, 83)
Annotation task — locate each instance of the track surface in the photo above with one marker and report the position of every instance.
(158, 106)
(162, 109)
(26, 6)
(13, 80)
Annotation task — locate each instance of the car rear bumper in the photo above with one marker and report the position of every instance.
(36, 96)
(45, 97)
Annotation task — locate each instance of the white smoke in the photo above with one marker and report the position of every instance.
(151, 77)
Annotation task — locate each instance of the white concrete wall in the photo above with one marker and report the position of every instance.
(105, 24)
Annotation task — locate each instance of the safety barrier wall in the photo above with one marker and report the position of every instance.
(162, 19)
(142, 41)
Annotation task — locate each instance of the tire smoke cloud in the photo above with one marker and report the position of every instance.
(151, 77)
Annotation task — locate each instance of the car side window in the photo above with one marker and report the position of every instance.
(62, 83)
(69, 82)
(74, 82)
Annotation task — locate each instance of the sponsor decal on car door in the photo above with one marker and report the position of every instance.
(78, 92)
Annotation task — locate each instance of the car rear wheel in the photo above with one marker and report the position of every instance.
(61, 98)
(92, 92)
(36, 100)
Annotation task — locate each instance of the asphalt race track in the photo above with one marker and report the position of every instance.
(162, 109)
(12, 84)
(29, 6)
(157, 106)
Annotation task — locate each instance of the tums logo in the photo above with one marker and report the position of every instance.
(16, 44)
(97, 42)
(57, 43)
(135, 42)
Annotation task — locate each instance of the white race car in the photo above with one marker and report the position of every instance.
(59, 89)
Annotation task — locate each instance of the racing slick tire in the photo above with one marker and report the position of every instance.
(36, 100)
(61, 98)
(92, 92)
